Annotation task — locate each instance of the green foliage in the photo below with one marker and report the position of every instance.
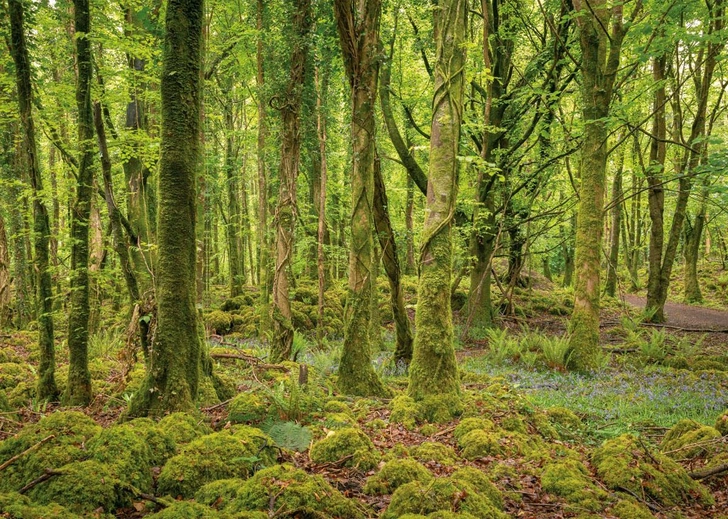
(557, 351)
(288, 435)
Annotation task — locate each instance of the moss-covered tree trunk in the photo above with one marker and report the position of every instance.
(174, 368)
(358, 26)
(233, 224)
(615, 226)
(286, 210)
(434, 370)
(5, 310)
(321, 84)
(693, 239)
(599, 65)
(78, 388)
(46, 389)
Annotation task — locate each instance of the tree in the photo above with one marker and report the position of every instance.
(433, 371)
(173, 374)
(46, 389)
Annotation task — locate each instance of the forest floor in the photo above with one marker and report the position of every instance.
(687, 316)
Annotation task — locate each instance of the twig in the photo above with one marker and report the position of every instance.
(712, 471)
(153, 499)
(648, 451)
(249, 359)
(698, 444)
(444, 431)
(649, 505)
(217, 406)
(48, 474)
(26, 451)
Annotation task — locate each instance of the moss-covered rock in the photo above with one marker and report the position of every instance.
(339, 421)
(479, 444)
(481, 483)
(440, 408)
(394, 474)
(337, 406)
(349, 444)
(182, 427)
(221, 455)
(472, 424)
(435, 451)
(12, 374)
(514, 423)
(70, 430)
(721, 424)
(248, 407)
(625, 463)
(83, 486)
(292, 492)
(686, 439)
(219, 493)
(160, 443)
(404, 412)
(17, 506)
(441, 495)
(570, 480)
(630, 510)
(8, 355)
(219, 322)
(126, 454)
(187, 510)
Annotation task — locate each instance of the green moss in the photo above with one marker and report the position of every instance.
(337, 406)
(293, 493)
(442, 494)
(160, 443)
(17, 506)
(404, 412)
(624, 463)
(339, 421)
(721, 424)
(8, 355)
(349, 444)
(206, 392)
(564, 417)
(85, 486)
(126, 454)
(219, 493)
(215, 456)
(569, 479)
(478, 444)
(471, 424)
(440, 408)
(514, 423)
(71, 431)
(186, 510)
(679, 441)
(4, 402)
(219, 322)
(481, 483)
(247, 407)
(182, 427)
(631, 510)
(434, 451)
(395, 474)
(12, 374)
(428, 429)
(545, 428)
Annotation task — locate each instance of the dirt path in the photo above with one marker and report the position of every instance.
(686, 316)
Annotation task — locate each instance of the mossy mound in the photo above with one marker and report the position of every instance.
(435, 451)
(721, 424)
(248, 408)
(12, 374)
(219, 493)
(219, 322)
(471, 424)
(182, 428)
(160, 443)
(84, 486)
(481, 483)
(440, 408)
(186, 510)
(441, 495)
(215, 456)
(8, 355)
(404, 412)
(4, 402)
(570, 480)
(625, 463)
(293, 493)
(17, 506)
(350, 445)
(337, 406)
(686, 439)
(479, 443)
(339, 421)
(394, 474)
(70, 430)
(126, 453)
(630, 510)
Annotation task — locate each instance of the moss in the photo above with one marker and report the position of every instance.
(182, 427)
(437, 452)
(247, 407)
(395, 474)
(85, 486)
(564, 417)
(160, 443)
(17, 506)
(471, 424)
(8, 355)
(721, 424)
(624, 463)
(478, 444)
(569, 479)
(481, 483)
(215, 456)
(12, 374)
(442, 494)
(350, 444)
(292, 493)
(219, 493)
(337, 406)
(186, 510)
(126, 454)
(4, 402)
(428, 429)
(630, 510)
(440, 408)
(339, 421)
(544, 427)
(219, 322)
(71, 431)
(404, 412)
(679, 442)
(514, 423)
(206, 393)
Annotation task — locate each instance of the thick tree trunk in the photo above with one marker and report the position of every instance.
(286, 211)
(174, 369)
(46, 389)
(358, 27)
(434, 371)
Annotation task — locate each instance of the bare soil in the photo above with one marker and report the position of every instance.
(688, 316)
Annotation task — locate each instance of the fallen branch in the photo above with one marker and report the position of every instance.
(708, 472)
(681, 329)
(703, 443)
(649, 505)
(153, 499)
(26, 451)
(48, 474)
(249, 359)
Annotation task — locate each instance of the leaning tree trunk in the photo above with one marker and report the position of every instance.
(47, 389)
(174, 369)
(434, 369)
(286, 212)
(358, 26)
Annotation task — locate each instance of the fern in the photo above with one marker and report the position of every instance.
(289, 435)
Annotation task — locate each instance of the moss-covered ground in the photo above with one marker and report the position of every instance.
(529, 438)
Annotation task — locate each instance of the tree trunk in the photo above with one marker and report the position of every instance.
(358, 27)
(172, 379)
(434, 371)
(5, 310)
(286, 210)
(46, 389)
(693, 239)
(616, 224)
(321, 91)
(233, 227)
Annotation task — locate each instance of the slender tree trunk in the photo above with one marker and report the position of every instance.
(5, 310)
(172, 379)
(286, 211)
(434, 371)
(616, 224)
(233, 226)
(46, 389)
(409, 225)
(693, 239)
(567, 251)
(321, 91)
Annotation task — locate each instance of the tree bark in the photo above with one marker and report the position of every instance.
(46, 389)
(232, 227)
(611, 285)
(321, 84)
